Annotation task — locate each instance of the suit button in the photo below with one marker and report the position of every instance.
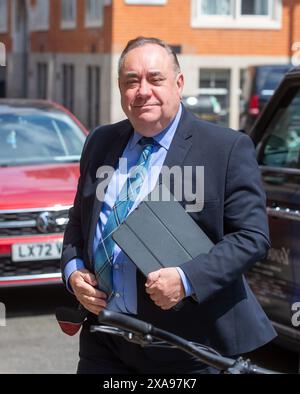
(116, 266)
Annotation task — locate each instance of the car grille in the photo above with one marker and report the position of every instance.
(32, 222)
(8, 268)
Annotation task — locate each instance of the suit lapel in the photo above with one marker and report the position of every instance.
(111, 159)
(180, 145)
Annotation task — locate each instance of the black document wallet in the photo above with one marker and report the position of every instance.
(159, 234)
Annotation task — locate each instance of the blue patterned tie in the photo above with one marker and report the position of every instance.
(124, 202)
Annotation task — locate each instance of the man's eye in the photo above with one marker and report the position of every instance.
(157, 80)
(132, 82)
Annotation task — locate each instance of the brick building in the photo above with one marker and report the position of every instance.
(67, 50)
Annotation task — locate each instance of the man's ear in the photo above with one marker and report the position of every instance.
(180, 83)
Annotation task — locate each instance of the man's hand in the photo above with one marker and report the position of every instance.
(165, 287)
(83, 284)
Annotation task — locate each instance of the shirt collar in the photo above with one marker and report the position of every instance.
(164, 138)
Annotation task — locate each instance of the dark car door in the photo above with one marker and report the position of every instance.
(276, 280)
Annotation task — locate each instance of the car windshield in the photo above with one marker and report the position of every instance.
(283, 143)
(38, 136)
(270, 78)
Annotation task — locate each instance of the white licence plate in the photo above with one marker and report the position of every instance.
(37, 251)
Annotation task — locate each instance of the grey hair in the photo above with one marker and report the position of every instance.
(141, 41)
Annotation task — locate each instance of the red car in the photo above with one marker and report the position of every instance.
(40, 148)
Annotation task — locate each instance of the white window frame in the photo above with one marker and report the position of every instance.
(236, 20)
(39, 16)
(69, 23)
(146, 2)
(3, 16)
(92, 20)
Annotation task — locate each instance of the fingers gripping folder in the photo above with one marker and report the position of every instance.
(159, 234)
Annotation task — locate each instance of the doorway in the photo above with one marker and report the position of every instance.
(20, 47)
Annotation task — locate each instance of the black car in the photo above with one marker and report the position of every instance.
(260, 83)
(276, 280)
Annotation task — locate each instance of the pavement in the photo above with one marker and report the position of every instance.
(35, 345)
(32, 342)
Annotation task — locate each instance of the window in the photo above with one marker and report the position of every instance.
(282, 147)
(93, 96)
(68, 14)
(2, 81)
(255, 7)
(242, 103)
(39, 15)
(68, 86)
(3, 16)
(38, 136)
(237, 13)
(146, 2)
(42, 80)
(215, 83)
(93, 13)
(214, 7)
(2, 55)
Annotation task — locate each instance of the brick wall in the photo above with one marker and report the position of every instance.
(78, 40)
(172, 23)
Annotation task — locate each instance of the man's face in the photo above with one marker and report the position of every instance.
(150, 88)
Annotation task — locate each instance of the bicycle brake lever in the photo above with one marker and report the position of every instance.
(142, 340)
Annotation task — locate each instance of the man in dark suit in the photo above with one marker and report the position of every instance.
(219, 309)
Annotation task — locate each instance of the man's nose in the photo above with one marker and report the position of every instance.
(144, 89)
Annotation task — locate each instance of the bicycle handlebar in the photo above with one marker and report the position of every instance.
(125, 322)
(141, 328)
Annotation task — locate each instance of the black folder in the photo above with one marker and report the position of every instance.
(159, 234)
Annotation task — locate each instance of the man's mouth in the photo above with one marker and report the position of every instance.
(145, 105)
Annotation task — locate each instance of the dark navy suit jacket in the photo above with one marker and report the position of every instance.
(226, 314)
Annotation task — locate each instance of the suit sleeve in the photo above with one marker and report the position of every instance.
(246, 238)
(73, 239)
